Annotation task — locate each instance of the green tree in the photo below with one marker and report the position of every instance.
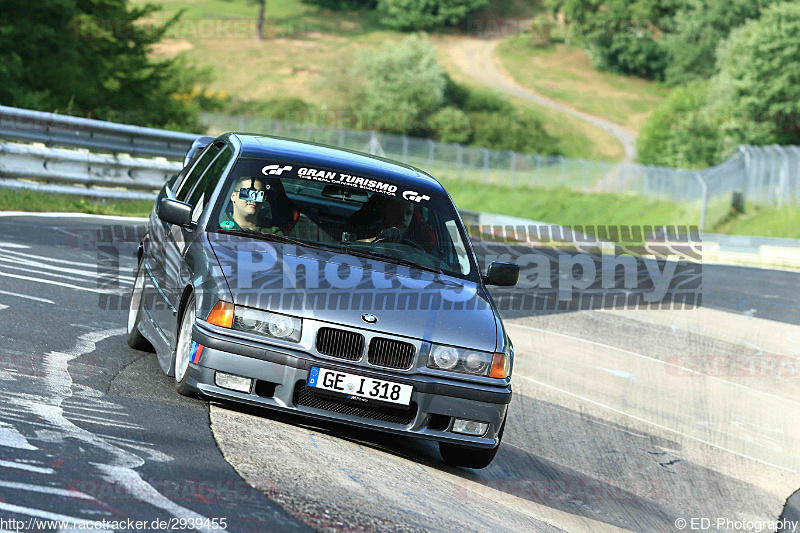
(682, 132)
(426, 14)
(91, 57)
(620, 35)
(699, 26)
(758, 84)
(403, 84)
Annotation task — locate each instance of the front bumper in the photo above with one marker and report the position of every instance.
(284, 372)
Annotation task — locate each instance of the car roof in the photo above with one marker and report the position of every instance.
(312, 154)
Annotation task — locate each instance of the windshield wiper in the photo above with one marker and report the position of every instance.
(393, 259)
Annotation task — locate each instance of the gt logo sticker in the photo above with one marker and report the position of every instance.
(274, 169)
(414, 196)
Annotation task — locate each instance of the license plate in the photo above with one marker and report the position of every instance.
(359, 386)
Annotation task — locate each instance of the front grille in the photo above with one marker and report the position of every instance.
(340, 343)
(391, 353)
(396, 415)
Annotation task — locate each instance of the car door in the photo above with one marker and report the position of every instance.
(161, 257)
(177, 272)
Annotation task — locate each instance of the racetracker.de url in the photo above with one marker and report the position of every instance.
(177, 524)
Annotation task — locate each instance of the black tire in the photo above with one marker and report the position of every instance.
(136, 340)
(470, 456)
(184, 337)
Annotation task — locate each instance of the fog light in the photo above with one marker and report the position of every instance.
(470, 427)
(229, 381)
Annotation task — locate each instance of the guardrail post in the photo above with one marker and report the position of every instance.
(485, 165)
(538, 169)
(513, 167)
(405, 149)
(563, 168)
(704, 200)
(431, 152)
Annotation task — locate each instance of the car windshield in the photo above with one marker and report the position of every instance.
(337, 210)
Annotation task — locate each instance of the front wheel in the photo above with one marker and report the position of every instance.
(184, 350)
(136, 340)
(469, 456)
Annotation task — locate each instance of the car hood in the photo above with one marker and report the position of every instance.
(341, 288)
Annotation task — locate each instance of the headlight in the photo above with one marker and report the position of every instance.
(460, 360)
(270, 324)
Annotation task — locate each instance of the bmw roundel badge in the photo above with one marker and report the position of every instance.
(368, 318)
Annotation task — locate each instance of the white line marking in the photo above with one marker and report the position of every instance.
(75, 418)
(4, 244)
(104, 410)
(44, 489)
(47, 515)
(617, 373)
(92, 275)
(11, 254)
(34, 298)
(29, 468)
(11, 438)
(67, 285)
(665, 363)
(68, 215)
(3, 307)
(604, 406)
(121, 472)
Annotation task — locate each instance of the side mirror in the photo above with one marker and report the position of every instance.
(502, 274)
(175, 212)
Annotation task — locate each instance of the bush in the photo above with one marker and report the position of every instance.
(678, 133)
(450, 125)
(479, 100)
(521, 132)
(426, 14)
(403, 85)
(758, 85)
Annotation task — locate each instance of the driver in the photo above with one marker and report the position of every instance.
(246, 213)
(395, 218)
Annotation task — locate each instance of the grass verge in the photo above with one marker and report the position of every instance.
(569, 208)
(764, 221)
(17, 200)
(554, 206)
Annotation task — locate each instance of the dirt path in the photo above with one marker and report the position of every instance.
(477, 59)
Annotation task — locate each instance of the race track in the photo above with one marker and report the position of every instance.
(612, 426)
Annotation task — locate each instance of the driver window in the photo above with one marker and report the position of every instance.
(205, 187)
(191, 179)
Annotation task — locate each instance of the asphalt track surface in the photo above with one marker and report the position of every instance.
(612, 427)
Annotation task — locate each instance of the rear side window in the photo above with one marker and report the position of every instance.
(188, 184)
(205, 187)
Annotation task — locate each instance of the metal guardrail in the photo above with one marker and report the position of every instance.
(767, 175)
(78, 167)
(100, 136)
